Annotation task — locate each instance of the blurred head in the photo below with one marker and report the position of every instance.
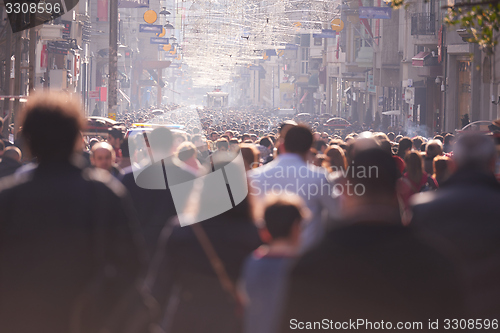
(417, 142)
(13, 153)
(336, 158)
(414, 166)
(378, 183)
(298, 140)
(222, 145)
(475, 152)
(102, 156)
(283, 216)
(115, 137)
(250, 155)
(405, 144)
(160, 141)
(442, 168)
(186, 151)
(51, 126)
(433, 148)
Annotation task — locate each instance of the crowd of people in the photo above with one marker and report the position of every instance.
(337, 231)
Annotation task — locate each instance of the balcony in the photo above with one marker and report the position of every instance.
(423, 24)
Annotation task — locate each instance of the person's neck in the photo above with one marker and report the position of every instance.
(284, 247)
(302, 156)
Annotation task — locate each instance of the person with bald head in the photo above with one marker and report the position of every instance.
(103, 156)
(11, 161)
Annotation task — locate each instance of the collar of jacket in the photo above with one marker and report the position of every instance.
(468, 177)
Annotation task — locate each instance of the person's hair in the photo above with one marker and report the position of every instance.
(391, 136)
(320, 144)
(233, 141)
(433, 148)
(103, 145)
(382, 174)
(92, 142)
(1, 122)
(474, 151)
(266, 142)
(441, 168)
(439, 137)
(161, 139)
(404, 144)
(281, 213)
(448, 138)
(12, 152)
(2, 145)
(186, 150)
(414, 166)
(124, 148)
(222, 143)
(51, 125)
(417, 142)
(195, 138)
(116, 133)
(250, 155)
(298, 140)
(336, 158)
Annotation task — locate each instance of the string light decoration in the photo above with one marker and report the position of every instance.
(218, 36)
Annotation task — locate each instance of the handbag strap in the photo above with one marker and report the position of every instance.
(215, 261)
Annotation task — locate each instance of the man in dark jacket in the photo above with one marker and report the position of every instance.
(464, 214)
(10, 162)
(151, 187)
(372, 269)
(59, 226)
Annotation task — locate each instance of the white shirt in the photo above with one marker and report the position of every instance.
(288, 174)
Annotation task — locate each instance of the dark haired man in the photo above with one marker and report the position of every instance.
(115, 139)
(373, 269)
(464, 214)
(150, 190)
(59, 226)
(290, 174)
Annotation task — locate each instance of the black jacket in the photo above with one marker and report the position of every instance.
(185, 282)
(48, 222)
(153, 200)
(464, 213)
(371, 271)
(8, 166)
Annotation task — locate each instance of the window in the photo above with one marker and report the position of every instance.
(304, 60)
(318, 41)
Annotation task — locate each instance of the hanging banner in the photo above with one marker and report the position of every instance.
(102, 10)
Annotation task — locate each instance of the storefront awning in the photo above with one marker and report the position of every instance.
(422, 59)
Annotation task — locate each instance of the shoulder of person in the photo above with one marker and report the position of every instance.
(105, 178)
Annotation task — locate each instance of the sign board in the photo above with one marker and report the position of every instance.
(337, 25)
(94, 94)
(410, 95)
(158, 40)
(326, 33)
(104, 94)
(112, 116)
(375, 12)
(157, 29)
